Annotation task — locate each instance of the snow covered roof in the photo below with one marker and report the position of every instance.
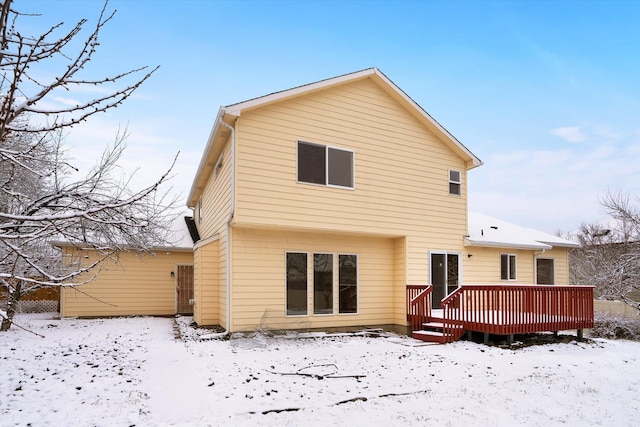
(179, 236)
(491, 232)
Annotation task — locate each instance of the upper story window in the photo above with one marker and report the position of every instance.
(507, 267)
(455, 182)
(324, 165)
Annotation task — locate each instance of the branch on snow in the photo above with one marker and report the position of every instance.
(332, 374)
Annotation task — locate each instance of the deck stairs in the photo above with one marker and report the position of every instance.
(435, 330)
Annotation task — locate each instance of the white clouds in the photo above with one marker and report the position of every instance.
(551, 189)
(569, 133)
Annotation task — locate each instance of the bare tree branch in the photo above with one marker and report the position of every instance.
(609, 256)
(41, 198)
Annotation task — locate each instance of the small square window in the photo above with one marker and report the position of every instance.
(455, 182)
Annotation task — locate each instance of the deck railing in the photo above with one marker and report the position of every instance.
(513, 309)
(418, 305)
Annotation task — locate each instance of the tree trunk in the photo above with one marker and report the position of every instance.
(12, 305)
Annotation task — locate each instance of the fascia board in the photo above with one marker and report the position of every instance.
(433, 123)
(236, 109)
(506, 245)
(192, 199)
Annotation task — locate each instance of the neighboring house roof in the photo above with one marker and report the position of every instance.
(231, 112)
(491, 232)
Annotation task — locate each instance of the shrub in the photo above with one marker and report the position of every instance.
(614, 326)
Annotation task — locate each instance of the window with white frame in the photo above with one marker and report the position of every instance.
(325, 165)
(455, 182)
(323, 285)
(296, 271)
(347, 284)
(507, 267)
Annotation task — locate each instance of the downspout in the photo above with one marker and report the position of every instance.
(229, 220)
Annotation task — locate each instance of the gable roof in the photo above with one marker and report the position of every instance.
(491, 232)
(230, 113)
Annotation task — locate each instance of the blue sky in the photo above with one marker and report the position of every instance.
(546, 93)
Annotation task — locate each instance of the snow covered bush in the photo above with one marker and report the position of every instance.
(615, 327)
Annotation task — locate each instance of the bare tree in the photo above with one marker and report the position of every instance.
(40, 200)
(609, 256)
(25, 84)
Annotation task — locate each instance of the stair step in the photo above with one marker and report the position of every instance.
(438, 325)
(432, 334)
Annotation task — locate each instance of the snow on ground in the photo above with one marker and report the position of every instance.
(132, 371)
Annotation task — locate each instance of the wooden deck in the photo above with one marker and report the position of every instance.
(500, 310)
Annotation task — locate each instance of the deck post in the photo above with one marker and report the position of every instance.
(486, 338)
(469, 335)
(510, 339)
(580, 333)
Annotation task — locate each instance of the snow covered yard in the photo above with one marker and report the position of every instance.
(132, 371)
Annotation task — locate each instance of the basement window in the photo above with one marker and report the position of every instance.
(325, 165)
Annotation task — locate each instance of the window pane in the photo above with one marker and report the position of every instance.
(322, 283)
(512, 267)
(452, 272)
(454, 188)
(544, 272)
(348, 289)
(296, 284)
(454, 176)
(311, 163)
(340, 167)
(504, 267)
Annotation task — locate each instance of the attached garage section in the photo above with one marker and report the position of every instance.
(132, 285)
(298, 280)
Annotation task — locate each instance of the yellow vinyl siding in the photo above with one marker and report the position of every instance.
(210, 283)
(216, 199)
(210, 253)
(399, 176)
(401, 172)
(133, 286)
(484, 265)
(400, 280)
(259, 280)
(561, 264)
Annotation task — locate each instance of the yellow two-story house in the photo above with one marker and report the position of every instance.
(316, 207)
